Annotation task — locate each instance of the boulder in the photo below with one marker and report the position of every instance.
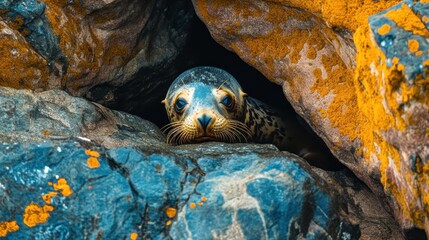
(360, 84)
(97, 49)
(70, 169)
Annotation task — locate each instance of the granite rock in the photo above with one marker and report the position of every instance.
(360, 83)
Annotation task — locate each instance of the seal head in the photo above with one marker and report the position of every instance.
(206, 104)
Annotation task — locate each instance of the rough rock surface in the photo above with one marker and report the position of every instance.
(127, 183)
(362, 85)
(92, 48)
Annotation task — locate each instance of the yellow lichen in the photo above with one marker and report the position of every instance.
(383, 30)
(413, 45)
(192, 205)
(8, 227)
(168, 223)
(134, 236)
(63, 187)
(389, 116)
(48, 197)
(171, 212)
(93, 162)
(406, 19)
(35, 214)
(92, 153)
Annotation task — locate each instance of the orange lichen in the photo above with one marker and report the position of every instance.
(20, 66)
(63, 187)
(171, 212)
(93, 162)
(203, 199)
(168, 223)
(48, 197)
(35, 214)
(383, 30)
(419, 53)
(92, 153)
(413, 45)
(192, 205)
(200, 204)
(134, 236)
(8, 227)
(425, 19)
(389, 116)
(406, 19)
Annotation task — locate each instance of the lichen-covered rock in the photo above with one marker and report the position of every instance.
(370, 105)
(92, 47)
(72, 170)
(393, 61)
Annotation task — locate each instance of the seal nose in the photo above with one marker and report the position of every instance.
(204, 121)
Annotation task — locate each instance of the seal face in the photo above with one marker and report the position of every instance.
(206, 104)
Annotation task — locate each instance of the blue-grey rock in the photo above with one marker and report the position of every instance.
(133, 184)
(244, 195)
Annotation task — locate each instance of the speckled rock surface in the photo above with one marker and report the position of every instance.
(93, 48)
(54, 115)
(361, 84)
(127, 183)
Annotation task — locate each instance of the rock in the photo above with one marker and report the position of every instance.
(93, 48)
(51, 191)
(363, 93)
(55, 115)
(98, 173)
(373, 215)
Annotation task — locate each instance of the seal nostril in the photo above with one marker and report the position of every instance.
(204, 121)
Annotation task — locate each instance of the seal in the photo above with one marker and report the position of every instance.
(208, 104)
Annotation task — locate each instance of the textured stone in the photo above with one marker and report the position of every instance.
(239, 195)
(127, 182)
(342, 76)
(55, 115)
(94, 48)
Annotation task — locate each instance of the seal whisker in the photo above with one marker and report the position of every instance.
(168, 126)
(172, 135)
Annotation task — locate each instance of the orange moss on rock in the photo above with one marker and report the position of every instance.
(93, 162)
(413, 45)
(8, 227)
(35, 214)
(62, 187)
(134, 236)
(48, 197)
(171, 212)
(348, 14)
(406, 19)
(383, 30)
(382, 91)
(20, 66)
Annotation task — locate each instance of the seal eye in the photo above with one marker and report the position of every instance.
(227, 101)
(180, 104)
